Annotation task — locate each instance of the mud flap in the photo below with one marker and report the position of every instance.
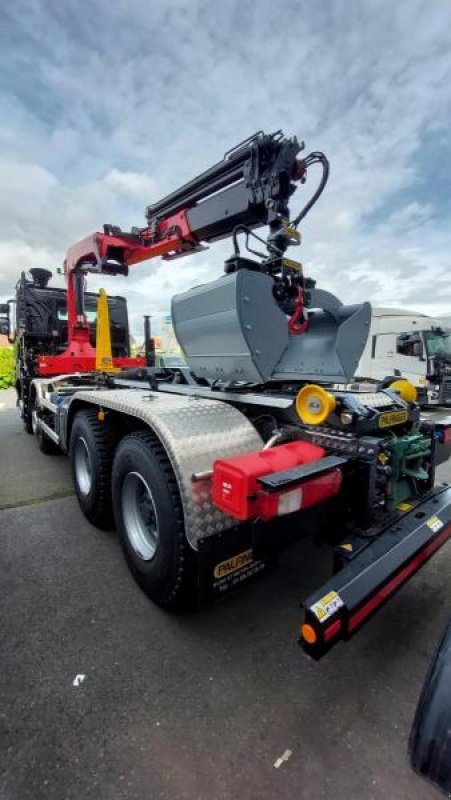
(225, 561)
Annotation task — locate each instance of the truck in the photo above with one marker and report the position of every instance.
(209, 469)
(409, 345)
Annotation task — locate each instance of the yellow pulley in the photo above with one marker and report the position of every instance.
(314, 405)
(405, 389)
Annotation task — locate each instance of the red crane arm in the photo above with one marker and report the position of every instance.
(250, 187)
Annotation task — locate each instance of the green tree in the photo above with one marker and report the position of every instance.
(7, 375)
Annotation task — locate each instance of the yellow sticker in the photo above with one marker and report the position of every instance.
(288, 263)
(404, 506)
(348, 547)
(328, 605)
(233, 564)
(390, 418)
(434, 523)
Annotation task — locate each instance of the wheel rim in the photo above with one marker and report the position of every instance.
(83, 467)
(34, 421)
(140, 516)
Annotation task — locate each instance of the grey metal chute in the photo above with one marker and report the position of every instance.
(330, 350)
(233, 330)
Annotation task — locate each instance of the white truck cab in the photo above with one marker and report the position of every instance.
(410, 345)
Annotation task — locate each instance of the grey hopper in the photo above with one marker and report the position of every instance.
(330, 350)
(233, 330)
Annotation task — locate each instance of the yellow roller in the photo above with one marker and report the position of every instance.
(314, 405)
(405, 389)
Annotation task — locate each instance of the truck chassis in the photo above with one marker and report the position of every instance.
(143, 456)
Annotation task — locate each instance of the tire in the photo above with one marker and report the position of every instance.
(430, 738)
(28, 408)
(149, 519)
(91, 451)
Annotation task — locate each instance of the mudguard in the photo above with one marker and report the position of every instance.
(430, 739)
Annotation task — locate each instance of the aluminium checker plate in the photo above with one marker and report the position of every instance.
(195, 432)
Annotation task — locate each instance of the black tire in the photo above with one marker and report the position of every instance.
(28, 406)
(96, 441)
(145, 489)
(430, 738)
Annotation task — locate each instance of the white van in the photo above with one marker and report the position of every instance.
(409, 345)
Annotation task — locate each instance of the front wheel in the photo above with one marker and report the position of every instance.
(149, 519)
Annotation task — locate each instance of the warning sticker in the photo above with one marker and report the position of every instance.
(434, 523)
(328, 605)
(404, 506)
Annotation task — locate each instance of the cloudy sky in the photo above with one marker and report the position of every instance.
(107, 106)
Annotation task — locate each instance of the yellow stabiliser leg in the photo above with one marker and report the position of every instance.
(104, 356)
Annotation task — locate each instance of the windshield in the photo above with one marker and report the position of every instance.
(438, 344)
(91, 316)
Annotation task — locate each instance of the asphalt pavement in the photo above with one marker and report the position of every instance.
(198, 706)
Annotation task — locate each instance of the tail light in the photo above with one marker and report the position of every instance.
(237, 492)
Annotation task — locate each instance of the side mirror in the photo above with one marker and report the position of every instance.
(8, 322)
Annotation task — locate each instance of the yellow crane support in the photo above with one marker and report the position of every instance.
(104, 355)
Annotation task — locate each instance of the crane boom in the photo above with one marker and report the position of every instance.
(250, 187)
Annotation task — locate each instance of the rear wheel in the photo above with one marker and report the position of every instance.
(91, 452)
(149, 519)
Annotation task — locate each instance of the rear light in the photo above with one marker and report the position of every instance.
(236, 490)
(308, 633)
(312, 492)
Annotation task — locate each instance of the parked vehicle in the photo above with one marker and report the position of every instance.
(412, 346)
(430, 739)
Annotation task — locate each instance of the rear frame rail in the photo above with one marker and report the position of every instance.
(341, 606)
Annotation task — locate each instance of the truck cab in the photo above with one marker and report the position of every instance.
(409, 345)
(37, 321)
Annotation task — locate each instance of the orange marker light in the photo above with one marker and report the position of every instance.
(308, 633)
